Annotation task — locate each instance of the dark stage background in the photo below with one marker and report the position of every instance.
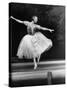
(50, 16)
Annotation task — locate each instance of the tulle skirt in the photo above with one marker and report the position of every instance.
(33, 45)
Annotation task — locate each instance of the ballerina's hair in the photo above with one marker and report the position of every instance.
(34, 17)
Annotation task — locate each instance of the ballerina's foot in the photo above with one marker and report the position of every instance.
(35, 67)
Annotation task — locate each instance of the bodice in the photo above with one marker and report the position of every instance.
(31, 29)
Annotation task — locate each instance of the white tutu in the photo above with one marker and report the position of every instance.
(33, 45)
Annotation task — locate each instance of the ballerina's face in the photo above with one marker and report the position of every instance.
(35, 19)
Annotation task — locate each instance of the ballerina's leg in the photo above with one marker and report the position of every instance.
(38, 58)
(35, 64)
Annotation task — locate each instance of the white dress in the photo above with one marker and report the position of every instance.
(33, 45)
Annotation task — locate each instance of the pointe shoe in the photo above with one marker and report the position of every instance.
(35, 67)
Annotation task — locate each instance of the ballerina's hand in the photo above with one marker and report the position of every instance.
(12, 17)
(51, 30)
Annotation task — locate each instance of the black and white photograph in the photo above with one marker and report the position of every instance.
(36, 44)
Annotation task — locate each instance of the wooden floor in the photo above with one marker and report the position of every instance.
(45, 70)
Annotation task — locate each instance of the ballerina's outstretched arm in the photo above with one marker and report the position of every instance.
(43, 28)
(19, 21)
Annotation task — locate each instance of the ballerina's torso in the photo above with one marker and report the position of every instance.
(31, 28)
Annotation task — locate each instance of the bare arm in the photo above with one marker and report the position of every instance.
(19, 21)
(43, 28)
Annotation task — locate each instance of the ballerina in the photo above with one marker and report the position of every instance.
(34, 43)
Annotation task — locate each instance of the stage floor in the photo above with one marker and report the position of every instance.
(23, 74)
